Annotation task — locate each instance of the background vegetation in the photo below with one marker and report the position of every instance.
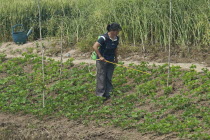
(145, 23)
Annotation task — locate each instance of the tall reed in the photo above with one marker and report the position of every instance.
(144, 22)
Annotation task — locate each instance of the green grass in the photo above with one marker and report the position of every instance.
(144, 22)
(139, 101)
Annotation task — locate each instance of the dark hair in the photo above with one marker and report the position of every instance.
(113, 27)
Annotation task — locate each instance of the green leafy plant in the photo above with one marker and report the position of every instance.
(138, 101)
(2, 57)
(168, 90)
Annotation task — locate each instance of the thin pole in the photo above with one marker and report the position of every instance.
(61, 61)
(40, 19)
(43, 76)
(61, 49)
(169, 47)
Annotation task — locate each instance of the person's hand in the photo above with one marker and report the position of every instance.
(116, 60)
(102, 58)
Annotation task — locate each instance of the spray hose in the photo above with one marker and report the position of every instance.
(124, 66)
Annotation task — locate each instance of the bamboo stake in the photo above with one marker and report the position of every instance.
(43, 76)
(169, 48)
(61, 61)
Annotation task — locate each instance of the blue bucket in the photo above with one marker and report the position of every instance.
(19, 37)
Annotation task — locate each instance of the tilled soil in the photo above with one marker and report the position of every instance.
(28, 127)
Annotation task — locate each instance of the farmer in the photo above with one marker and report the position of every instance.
(106, 50)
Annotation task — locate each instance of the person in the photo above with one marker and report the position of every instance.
(106, 49)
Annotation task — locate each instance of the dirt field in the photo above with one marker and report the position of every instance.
(27, 127)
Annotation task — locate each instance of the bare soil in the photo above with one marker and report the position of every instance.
(28, 127)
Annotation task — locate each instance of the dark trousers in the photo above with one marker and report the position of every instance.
(104, 78)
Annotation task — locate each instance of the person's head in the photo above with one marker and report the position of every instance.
(114, 28)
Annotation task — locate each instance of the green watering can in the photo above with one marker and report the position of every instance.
(20, 37)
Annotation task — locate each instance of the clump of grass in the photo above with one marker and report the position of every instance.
(2, 57)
